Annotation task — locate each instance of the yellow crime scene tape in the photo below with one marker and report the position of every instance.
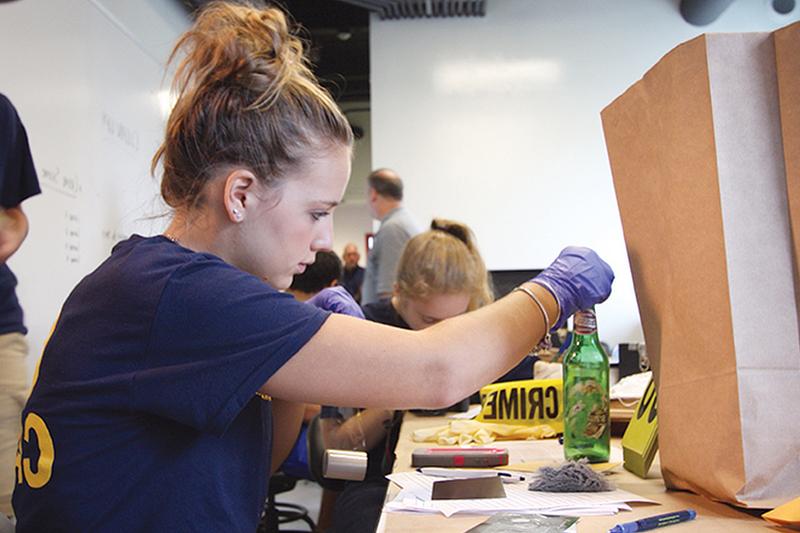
(527, 402)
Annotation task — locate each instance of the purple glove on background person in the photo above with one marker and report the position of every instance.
(337, 300)
(578, 279)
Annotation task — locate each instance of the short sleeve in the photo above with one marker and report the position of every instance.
(18, 180)
(219, 334)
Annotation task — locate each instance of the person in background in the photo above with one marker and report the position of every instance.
(325, 271)
(385, 198)
(440, 274)
(353, 274)
(173, 381)
(18, 181)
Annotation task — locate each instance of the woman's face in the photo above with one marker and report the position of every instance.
(420, 313)
(286, 233)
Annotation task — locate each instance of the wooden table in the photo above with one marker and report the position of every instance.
(711, 516)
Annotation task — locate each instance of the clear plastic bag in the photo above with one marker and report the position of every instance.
(524, 523)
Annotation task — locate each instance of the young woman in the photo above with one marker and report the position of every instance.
(156, 405)
(440, 275)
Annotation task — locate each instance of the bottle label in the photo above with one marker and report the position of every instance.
(587, 409)
(586, 419)
(585, 322)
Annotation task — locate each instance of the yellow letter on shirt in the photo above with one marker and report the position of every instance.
(38, 479)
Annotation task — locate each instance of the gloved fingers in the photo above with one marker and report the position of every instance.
(578, 278)
(337, 300)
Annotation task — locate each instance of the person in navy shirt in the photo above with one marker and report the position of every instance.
(172, 384)
(18, 182)
(352, 273)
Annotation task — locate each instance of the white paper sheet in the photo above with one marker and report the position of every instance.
(416, 496)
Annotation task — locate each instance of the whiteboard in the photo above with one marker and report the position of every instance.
(89, 92)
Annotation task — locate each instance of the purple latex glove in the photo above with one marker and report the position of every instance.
(337, 300)
(578, 279)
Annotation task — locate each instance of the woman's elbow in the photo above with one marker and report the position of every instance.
(444, 387)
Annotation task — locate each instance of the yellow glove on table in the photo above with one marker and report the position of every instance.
(466, 432)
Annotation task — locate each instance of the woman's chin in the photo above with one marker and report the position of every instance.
(279, 283)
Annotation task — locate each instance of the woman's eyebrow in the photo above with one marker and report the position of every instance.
(327, 203)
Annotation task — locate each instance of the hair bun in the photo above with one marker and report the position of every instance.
(456, 229)
(235, 44)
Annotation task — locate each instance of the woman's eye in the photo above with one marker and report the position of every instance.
(317, 215)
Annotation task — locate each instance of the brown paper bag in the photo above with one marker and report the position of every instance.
(703, 151)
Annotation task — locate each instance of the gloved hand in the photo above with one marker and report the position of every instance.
(338, 300)
(578, 279)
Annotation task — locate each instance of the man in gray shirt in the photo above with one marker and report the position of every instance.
(385, 197)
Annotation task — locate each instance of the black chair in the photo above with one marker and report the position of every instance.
(277, 513)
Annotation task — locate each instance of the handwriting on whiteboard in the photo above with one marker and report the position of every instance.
(61, 182)
(112, 237)
(72, 237)
(126, 135)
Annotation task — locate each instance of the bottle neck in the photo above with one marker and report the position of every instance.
(585, 323)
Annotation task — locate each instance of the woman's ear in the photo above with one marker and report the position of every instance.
(397, 300)
(239, 194)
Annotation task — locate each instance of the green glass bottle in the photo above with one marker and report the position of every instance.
(587, 428)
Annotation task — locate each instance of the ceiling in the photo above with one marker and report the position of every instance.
(338, 30)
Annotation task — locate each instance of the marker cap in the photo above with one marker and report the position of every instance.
(630, 527)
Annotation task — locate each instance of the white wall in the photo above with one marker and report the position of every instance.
(496, 121)
(86, 78)
(352, 220)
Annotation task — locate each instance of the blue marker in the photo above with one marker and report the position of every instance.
(653, 522)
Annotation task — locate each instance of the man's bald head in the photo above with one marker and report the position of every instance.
(350, 256)
(386, 183)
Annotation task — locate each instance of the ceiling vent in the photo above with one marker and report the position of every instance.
(414, 9)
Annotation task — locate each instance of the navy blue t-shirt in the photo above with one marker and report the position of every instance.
(384, 312)
(18, 182)
(144, 415)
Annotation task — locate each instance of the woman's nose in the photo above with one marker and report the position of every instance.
(324, 240)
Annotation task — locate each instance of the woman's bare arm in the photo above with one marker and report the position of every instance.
(364, 364)
(363, 431)
(13, 230)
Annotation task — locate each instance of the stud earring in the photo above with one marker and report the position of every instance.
(236, 214)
